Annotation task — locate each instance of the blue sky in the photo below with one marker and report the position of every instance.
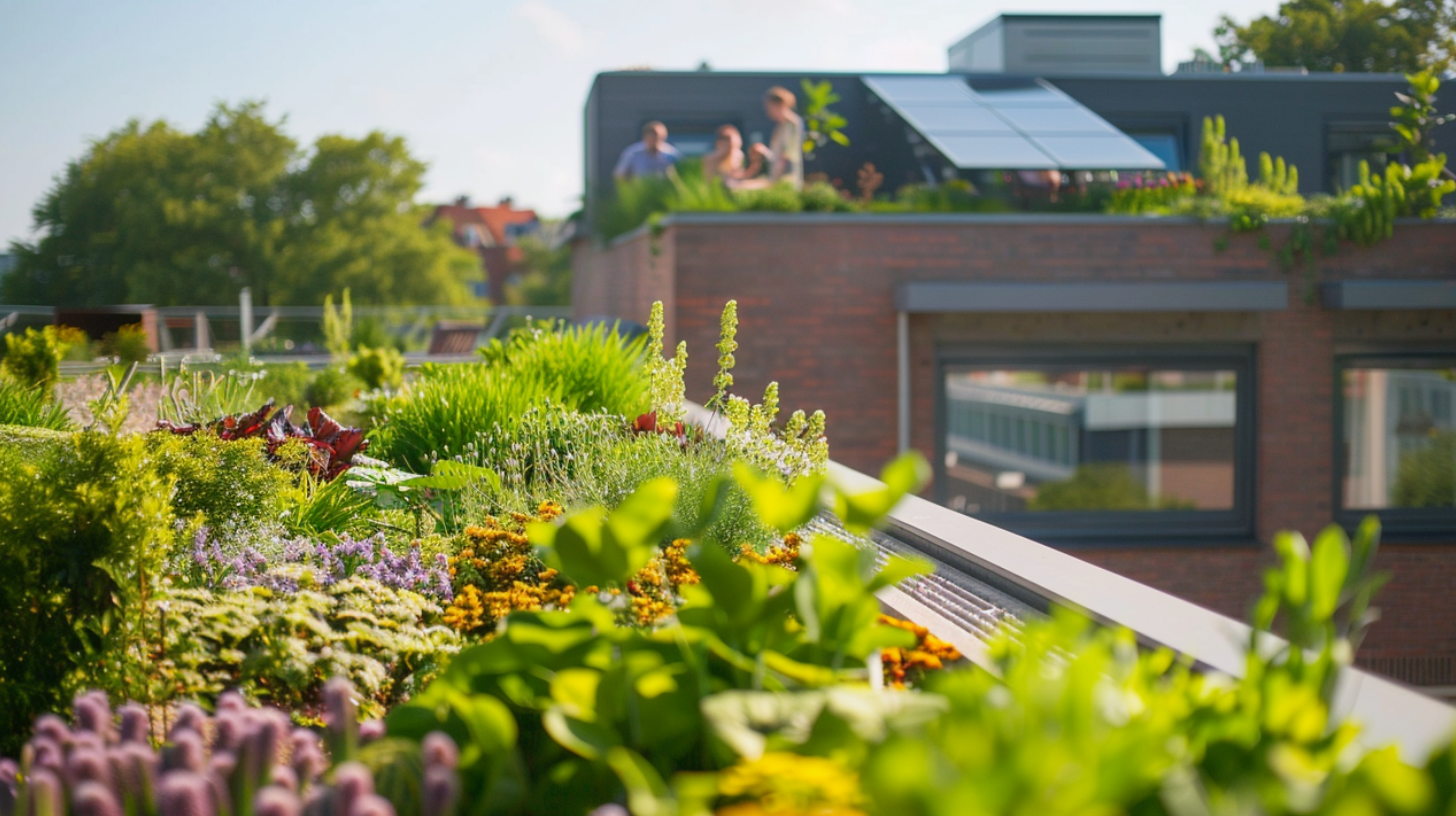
(490, 92)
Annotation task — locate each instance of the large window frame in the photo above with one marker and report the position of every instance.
(1152, 528)
(1407, 525)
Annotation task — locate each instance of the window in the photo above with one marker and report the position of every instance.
(1067, 446)
(1347, 143)
(1397, 448)
(1163, 145)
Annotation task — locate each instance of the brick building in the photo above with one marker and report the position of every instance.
(1264, 378)
(492, 233)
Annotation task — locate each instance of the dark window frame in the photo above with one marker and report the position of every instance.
(1408, 526)
(1153, 528)
(1335, 121)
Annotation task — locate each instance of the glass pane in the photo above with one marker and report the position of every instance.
(1123, 438)
(1400, 437)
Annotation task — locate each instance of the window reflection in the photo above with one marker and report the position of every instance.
(1400, 437)
(1121, 439)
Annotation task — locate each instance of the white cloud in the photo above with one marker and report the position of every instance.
(554, 26)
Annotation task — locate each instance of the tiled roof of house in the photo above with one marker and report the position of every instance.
(493, 219)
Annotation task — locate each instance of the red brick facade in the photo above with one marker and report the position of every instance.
(816, 312)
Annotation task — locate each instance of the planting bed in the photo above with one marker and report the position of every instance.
(530, 585)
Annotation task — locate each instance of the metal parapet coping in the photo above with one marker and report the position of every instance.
(1388, 713)
(1036, 577)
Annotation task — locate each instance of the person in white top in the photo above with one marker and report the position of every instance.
(785, 150)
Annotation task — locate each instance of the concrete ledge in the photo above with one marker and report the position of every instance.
(941, 297)
(1390, 294)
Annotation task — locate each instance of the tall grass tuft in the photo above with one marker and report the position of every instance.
(449, 409)
(29, 406)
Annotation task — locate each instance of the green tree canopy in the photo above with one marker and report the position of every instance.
(1345, 35)
(153, 215)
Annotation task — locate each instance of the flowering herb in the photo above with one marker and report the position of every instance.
(317, 563)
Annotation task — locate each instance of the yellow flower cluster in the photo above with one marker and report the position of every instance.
(784, 784)
(496, 573)
(785, 555)
(929, 653)
(653, 589)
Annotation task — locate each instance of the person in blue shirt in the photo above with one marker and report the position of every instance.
(652, 156)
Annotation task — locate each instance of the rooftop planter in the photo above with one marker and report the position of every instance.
(708, 638)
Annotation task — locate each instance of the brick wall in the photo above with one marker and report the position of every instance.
(816, 314)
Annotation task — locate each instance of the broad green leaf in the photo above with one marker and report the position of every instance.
(861, 511)
(783, 507)
(1328, 567)
(575, 690)
(899, 568)
(1294, 553)
(585, 739)
(641, 519)
(451, 475)
(646, 792)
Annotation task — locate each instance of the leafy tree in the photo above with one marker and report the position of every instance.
(546, 280)
(151, 214)
(1346, 35)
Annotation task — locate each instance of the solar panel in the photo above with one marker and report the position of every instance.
(1011, 125)
(1036, 121)
(1086, 151)
(920, 89)
(993, 152)
(954, 119)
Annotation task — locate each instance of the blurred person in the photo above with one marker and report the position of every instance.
(725, 162)
(785, 150)
(652, 156)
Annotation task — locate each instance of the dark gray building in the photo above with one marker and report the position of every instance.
(930, 127)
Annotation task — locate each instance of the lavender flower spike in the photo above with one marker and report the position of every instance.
(94, 799)
(184, 793)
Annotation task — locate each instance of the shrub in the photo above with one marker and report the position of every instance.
(34, 359)
(28, 406)
(377, 367)
(331, 388)
(281, 646)
(285, 383)
(85, 523)
(127, 344)
(220, 483)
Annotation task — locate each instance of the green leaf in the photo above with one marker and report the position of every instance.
(899, 568)
(1329, 566)
(783, 507)
(646, 792)
(585, 739)
(450, 475)
(839, 138)
(861, 511)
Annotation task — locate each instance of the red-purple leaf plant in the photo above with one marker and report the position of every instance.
(331, 446)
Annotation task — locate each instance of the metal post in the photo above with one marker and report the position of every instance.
(902, 343)
(245, 315)
(199, 331)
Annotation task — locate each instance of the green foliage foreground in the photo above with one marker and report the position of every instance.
(755, 699)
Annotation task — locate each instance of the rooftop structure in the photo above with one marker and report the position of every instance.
(1062, 44)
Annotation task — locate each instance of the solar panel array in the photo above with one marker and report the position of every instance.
(1011, 126)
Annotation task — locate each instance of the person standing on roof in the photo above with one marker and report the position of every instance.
(652, 156)
(785, 151)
